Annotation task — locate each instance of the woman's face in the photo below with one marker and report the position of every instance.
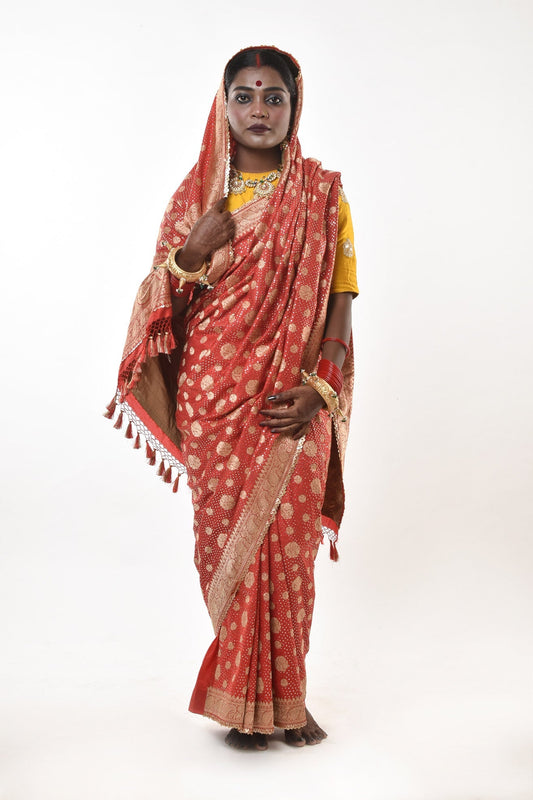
(259, 108)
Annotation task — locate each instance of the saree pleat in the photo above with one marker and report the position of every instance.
(257, 679)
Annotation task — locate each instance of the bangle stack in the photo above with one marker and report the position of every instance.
(326, 392)
(183, 276)
(331, 373)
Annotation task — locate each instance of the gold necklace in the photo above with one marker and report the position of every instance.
(263, 186)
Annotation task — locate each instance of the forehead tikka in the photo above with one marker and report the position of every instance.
(259, 83)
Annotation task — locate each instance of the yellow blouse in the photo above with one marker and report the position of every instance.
(344, 272)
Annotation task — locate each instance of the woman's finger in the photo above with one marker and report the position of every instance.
(279, 423)
(289, 430)
(301, 431)
(283, 397)
(277, 413)
(220, 204)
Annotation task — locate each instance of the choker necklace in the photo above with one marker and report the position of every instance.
(263, 187)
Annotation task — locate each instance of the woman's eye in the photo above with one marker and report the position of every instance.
(241, 98)
(275, 100)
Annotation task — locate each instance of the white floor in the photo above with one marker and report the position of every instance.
(424, 698)
(144, 745)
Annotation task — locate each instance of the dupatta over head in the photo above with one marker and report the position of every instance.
(192, 385)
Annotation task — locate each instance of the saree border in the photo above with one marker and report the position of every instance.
(256, 717)
(251, 527)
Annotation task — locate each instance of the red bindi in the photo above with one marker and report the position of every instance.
(259, 83)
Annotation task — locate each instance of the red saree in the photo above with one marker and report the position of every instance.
(193, 388)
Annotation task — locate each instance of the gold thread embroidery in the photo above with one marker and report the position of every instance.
(251, 527)
(347, 248)
(259, 717)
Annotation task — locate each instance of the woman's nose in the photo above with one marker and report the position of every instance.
(259, 109)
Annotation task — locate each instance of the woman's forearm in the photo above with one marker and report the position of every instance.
(338, 326)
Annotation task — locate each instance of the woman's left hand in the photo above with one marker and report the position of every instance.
(304, 403)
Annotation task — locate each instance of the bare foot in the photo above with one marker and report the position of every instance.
(311, 733)
(246, 741)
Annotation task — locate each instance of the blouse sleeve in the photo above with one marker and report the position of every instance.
(344, 272)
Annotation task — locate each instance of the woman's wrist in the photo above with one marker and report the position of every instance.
(189, 260)
(329, 396)
(316, 394)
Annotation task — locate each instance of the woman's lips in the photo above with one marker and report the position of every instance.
(258, 128)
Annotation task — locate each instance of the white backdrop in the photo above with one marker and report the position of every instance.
(422, 653)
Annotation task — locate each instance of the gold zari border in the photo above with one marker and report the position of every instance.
(249, 532)
(258, 717)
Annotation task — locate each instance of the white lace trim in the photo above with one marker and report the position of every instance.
(152, 440)
(330, 533)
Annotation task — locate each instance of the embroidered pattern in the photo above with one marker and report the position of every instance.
(347, 248)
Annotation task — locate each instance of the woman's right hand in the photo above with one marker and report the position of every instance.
(211, 231)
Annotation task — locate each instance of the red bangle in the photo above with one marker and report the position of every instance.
(175, 285)
(331, 373)
(340, 341)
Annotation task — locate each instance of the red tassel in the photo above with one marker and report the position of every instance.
(129, 432)
(118, 423)
(176, 484)
(333, 552)
(137, 445)
(150, 455)
(161, 470)
(168, 475)
(111, 409)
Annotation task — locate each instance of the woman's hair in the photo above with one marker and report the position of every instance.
(264, 57)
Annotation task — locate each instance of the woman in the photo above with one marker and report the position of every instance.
(236, 367)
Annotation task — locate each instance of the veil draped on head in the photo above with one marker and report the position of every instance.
(286, 241)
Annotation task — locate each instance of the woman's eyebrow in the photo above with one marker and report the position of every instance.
(265, 89)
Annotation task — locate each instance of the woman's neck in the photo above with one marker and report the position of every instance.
(248, 160)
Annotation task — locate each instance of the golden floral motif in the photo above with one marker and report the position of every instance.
(281, 663)
(292, 549)
(347, 248)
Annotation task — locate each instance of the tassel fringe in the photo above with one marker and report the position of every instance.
(133, 432)
(333, 552)
(110, 411)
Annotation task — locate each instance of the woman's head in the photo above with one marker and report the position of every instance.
(264, 57)
(261, 97)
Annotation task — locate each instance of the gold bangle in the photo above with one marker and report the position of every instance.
(328, 395)
(181, 274)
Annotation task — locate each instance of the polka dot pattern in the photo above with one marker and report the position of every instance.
(265, 634)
